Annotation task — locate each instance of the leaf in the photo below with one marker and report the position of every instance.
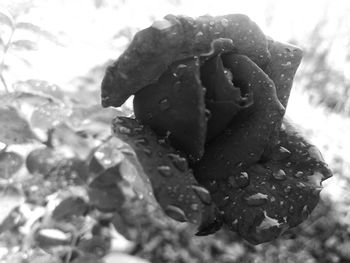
(10, 198)
(40, 87)
(10, 163)
(49, 115)
(64, 135)
(6, 18)
(24, 44)
(40, 31)
(43, 160)
(105, 191)
(2, 43)
(70, 207)
(14, 128)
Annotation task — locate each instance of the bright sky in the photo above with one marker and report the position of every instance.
(87, 30)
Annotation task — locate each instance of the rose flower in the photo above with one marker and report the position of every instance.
(209, 99)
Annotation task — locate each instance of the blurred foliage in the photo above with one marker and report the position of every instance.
(53, 147)
(320, 75)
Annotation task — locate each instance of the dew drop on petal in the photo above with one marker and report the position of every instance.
(281, 154)
(179, 162)
(164, 104)
(164, 170)
(256, 199)
(242, 179)
(194, 207)
(141, 141)
(299, 174)
(202, 193)
(305, 213)
(279, 175)
(288, 189)
(175, 213)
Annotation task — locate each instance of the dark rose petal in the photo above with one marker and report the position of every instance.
(280, 193)
(175, 105)
(248, 134)
(174, 185)
(175, 38)
(285, 60)
(222, 97)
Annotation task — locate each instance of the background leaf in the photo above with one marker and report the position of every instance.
(14, 128)
(6, 18)
(24, 44)
(39, 31)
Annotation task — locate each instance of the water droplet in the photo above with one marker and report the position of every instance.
(291, 209)
(202, 193)
(300, 185)
(164, 104)
(288, 189)
(141, 141)
(124, 130)
(207, 114)
(179, 162)
(281, 154)
(213, 186)
(194, 207)
(175, 213)
(256, 199)
(164, 170)
(299, 174)
(305, 213)
(242, 179)
(199, 34)
(224, 22)
(147, 151)
(279, 175)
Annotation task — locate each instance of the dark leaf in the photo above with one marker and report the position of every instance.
(105, 191)
(70, 207)
(96, 245)
(14, 128)
(10, 163)
(43, 160)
